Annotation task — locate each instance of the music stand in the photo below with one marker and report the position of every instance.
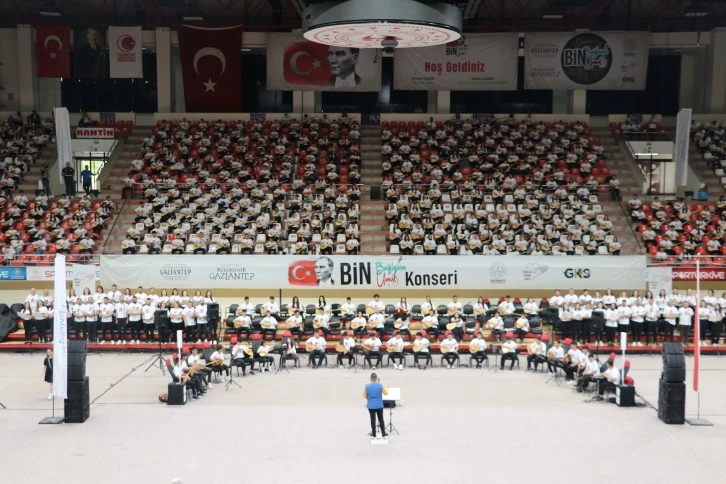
(282, 364)
(354, 351)
(231, 379)
(158, 359)
(555, 376)
(389, 401)
(496, 349)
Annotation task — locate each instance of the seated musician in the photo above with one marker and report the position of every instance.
(181, 373)
(509, 351)
(403, 326)
(522, 326)
(506, 307)
(480, 355)
(316, 357)
(421, 350)
(592, 370)
(450, 350)
(430, 322)
(205, 373)
(320, 321)
(294, 322)
(217, 361)
(496, 324)
(454, 306)
(241, 359)
(376, 304)
(572, 365)
(262, 355)
(397, 354)
(379, 319)
(271, 307)
(349, 347)
(242, 323)
(359, 324)
(611, 378)
(347, 310)
(459, 326)
(537, 352)
(555, 357)
(530, 307)
(268, 324)
(372, 347)
(289, 353)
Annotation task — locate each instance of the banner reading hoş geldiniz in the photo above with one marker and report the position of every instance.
(124, 48)
(475, 62)
(586, 60)
(294, 63)
(369, 272)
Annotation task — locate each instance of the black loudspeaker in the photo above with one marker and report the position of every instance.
(625, 396)
(376, 193)
(4, 309)
(77, 407)
(77, 346)
(674, 363)
(76, 373)
(672, 402)
(213, 312)
(177, 394)
(76, 359)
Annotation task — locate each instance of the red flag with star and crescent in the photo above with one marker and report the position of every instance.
(52, 51)
(211, 68)
(306, 63)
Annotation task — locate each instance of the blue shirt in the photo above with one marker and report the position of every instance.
(86, 176)
(374, 394)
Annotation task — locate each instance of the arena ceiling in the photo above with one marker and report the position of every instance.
(480, 15)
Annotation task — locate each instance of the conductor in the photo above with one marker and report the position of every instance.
(374, 392)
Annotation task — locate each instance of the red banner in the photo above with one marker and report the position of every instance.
(707, 274)
(211, 68)
(52, 51)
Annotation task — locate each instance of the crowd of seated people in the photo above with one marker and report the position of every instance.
(283, 186)
(675, 229)
(30, 230)
(710, 138)
(638, 124)
(20, 143)
(495, 187)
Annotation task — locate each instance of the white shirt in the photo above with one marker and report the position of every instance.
(557, 301)
(134, 310)
(377, 318)
(480, 342)
(106, 312)
(216, 356)
(33, 300)
(377, 305)
(295, 320)
(121, 310)
(269, 319)
(189, 316)
(670, 313)
(319, 342)
(397, 342)
(592, 368)
(201, 313)
(147, 314)
(453, 345)
(374, 342)
(272, 307)
(684, 316)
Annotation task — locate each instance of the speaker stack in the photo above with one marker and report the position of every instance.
(77, 406)
(213, 312)
(672, 389)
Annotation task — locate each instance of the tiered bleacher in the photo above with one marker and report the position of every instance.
(676, 229)
(282, 186)
(496, 186)
(710, 139)
(35, 228)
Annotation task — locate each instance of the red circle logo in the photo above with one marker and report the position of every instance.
(126, 43)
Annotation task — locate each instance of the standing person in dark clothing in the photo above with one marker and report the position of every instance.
(86, 177)
(373, 393)
(69, 179)
(48, 373)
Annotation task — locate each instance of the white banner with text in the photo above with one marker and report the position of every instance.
(370, 272)
(586, 60)
(477, 62)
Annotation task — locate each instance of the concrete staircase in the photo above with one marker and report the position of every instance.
(620, 163)
(372, 229)
(31, 178)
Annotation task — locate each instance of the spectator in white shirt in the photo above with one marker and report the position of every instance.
(685, 316)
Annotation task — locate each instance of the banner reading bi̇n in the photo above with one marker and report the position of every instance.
(369, 272)
(475, 62)
(586, 60)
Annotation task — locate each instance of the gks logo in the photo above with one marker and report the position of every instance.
(575, 273)
(586, 58)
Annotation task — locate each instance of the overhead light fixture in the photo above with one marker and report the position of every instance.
(375, 24)
(696, 13)
(193, 18)
(553, 16)
(49, 13)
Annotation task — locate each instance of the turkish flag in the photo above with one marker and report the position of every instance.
(211, 68)
(306, 63)
(302, 273)
(52, 50)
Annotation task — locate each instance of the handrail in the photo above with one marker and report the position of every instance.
(632, 229)
(118, 216)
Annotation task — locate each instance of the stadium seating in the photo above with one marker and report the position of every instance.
(676, 229)
(710, 139)
(495, 187)
(291, 185)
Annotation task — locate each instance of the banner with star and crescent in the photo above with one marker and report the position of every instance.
(294, 63)
(211, 61)
(52, 51)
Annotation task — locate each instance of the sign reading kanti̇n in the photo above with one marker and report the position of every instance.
(95, 132)
(368, 272)
(472, 63)
(586, 60)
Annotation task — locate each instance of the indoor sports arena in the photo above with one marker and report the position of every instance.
(312, 237)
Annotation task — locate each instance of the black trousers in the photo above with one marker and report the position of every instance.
(637, 327)
(379, 413)
(684, 332)
(425, 356)
(703, 326)
(668, 331)
(605, 386)
(577, 332)
(135, 329)
(651, 331)
(106, 327)
(92, 330)
(120, 328)
(716, 330)
(397, 357)
(317, 355)
(610, 333)
(348, 355)
(244, 363)
(508, 356)
(374, 354)
(451, 358)
(479, 357)
(174, 328)
(458, 332)
(535, 360)
(149, 331)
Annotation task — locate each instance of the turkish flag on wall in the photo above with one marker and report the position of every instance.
(306, 63)
(52, 51)
(302, 273)
(211, 68)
